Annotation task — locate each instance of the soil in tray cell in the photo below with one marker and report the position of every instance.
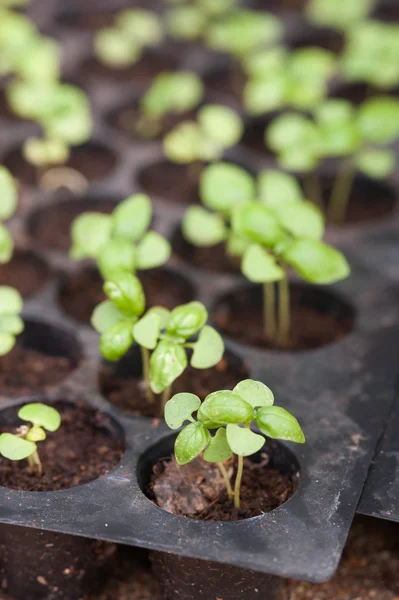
(26, 272)
(213, 258)
(172, 182)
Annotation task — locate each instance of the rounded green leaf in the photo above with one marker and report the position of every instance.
(142, 26)
(42, 62)
(42, 152)
(301, 219)
(208, 350)
(163, 314)
(6, 244)
(218, 449)
(316, 262)
(185, 22)
(292, 131)
(167, 363)
(265, 95)
(153, 251)
(258, 223)
(224, 186)
(116, 256)
(14, 447)
(105, 316)
(11, 324)
(116, 341)
(276, 422)
(378, 120)
(41, 415)
(36, 434)
(377, 164)
(202, 228)
(220, 124)
(298, 160)
(276, 188)
(225, 407)
(255, 393)
(259, 266)
(187, 319)
(7, 343)
(190, 442)
(90, 232)
(132, 217)
(312, 63)
(180, 408)
(146, 330)
(11, 302)
(338, 14)
(243, 441)
(115, 48)
(183, 144)
(8, 194)
(126, 293)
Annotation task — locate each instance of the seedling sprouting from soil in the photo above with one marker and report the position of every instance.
(339, 14)
(165, 337)
(189, 21)
(120, 242)
(271, 227)
(229, 415)
(123, 44)
(23, 444)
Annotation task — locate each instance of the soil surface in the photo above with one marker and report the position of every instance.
(172, 182)
(230, 83)
(359, 92)
(198, 491)
(51, 227)
(80, 451)
(214, 258)
(5, 111)
(83, 291)
(129, 393)
(93, 161)
(317, 318)
(25, 371)
(141, 72)
(322, 38)
(26, 272)
(254, 135)
(280, 5)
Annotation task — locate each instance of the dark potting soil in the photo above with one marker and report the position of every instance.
(359, 92)
(254, 135)
(280, 5)
(91, 21)
(170, 181)
(317, 318)
(80, 451)
(198, 491)
(142, 72)
(214, 258)
(321, 38)
(25, 371)
(51, 227)
(128, 393)
(83, 291)
(230, 83)
(93, 161)
(5, 111)
(26, 272)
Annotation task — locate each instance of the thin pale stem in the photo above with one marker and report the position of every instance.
(313, 189)
(165, 397)
(227, 481)
(341, 193)
(34, 462)
(284, 311)
(269, 310)
(237, 487)
(145, 359)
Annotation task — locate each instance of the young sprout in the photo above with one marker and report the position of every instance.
(343, 15)
(190, 21)
(169, 93)
(269, 225)
(120, 242)
(217, 128)
(124, 43)
(16, 35)
(168, 335)
(222, 427)
(23, 444)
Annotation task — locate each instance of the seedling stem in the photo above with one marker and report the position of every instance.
(227, 481)
(284, 310)
(341, 192)
(165, 397)
(145, 358)
(35, 462)
(269, 310)
(313, 189)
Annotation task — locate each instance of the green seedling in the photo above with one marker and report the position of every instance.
(279, 79)
(169, 94)
(358, 136)
(271, 227)
(216, 129)
(123, 44)
(23, 444)
(164, 337)
(222, 427)
(17, 33)
(120, 242)
(188, 21)
(342, 15)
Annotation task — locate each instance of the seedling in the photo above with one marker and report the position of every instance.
(339, 14)
(217, 128)
(120, 242)
(124, 43)
(168, 335)
(271, 227)
(230, 416)
(187, 21)
(23, 444)
(16, 35)
(169, 94)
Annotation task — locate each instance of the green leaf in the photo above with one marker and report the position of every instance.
(6, 244)
(36, 434)
(116, 256)
(378, 120)
(259, 266)
(11, 324)
(42, 152)
(316, 262)
(243, 441)
(276, 422)
(163, 314)
(187, 319)
(237, 244)
(377, 164)
(255, 393)
(90, 232)
(224, 186)
(115, 48)
(208, 350)
(298, 160)
(143, 26)
(265, 63)
(180, 408)
(202, 228)
(14, 447)
(276, 188)
(265, 95)
(183, 144)
(290, 131)
(42, 62)
(153, 251)
(220, 124)
(312, 64)
(338, 14)
(175, 92)
(185, 22)
(225, 407)
(167, 363)
(105, 316)
(190, 442)
(218, 449)
(7, 343)
(41, 415)
(301, 219)
(258, 223)
(8, 194)
(116, 341)
(11, 302)
(132, 217)
(146, 330)
(126, 293)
